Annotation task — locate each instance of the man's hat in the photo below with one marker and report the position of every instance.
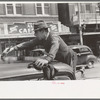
(40, 25)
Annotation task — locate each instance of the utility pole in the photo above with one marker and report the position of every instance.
(96, 17)
(99, 7)
(80, 26)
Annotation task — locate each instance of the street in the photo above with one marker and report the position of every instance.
(93, 73)
(19, 69)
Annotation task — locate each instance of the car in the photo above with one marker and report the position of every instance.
(13, 70)
(85, 55)
(19, 71)
(38, 52)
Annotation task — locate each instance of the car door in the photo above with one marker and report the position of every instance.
(78, 55)
(84, 52)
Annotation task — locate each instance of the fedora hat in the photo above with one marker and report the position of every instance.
(40, 25)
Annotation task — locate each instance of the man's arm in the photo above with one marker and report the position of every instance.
(54, 48)
(28, 44)
(24, 45)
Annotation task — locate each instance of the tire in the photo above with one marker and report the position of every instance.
(65, 76)
(90, 64)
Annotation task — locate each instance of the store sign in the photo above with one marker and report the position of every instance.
(21, 28)
(75, 18)
(64, 28)
(53, 27)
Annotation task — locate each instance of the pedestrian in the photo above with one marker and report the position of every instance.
(55, 47)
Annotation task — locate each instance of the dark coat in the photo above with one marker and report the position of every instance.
(54, 46)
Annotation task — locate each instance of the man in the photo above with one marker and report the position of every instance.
(55, 47)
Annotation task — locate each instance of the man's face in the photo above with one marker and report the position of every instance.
(40, 34)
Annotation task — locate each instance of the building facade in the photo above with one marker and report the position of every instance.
(17, 21)
(89, 20)
(90, 24)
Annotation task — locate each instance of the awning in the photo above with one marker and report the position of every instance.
(91, 33)
(11, 36)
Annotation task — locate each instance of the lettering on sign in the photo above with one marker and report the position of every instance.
(53, 27)
(28, 27)
(21, 28)
(13, 29)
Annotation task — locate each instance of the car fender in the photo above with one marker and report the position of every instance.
(62, 67)
(91, 58)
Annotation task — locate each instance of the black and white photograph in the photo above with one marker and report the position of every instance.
(52, 42)
(49, 41)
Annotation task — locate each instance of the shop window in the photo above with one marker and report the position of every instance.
(42, 8)
(13, 9)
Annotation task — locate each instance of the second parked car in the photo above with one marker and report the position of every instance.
(85, 55)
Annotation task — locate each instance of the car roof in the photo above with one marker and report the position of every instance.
(78, 46)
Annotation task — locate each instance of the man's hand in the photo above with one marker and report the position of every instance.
(6, 51)
(41, 62)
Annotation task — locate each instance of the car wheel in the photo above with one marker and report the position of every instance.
(90, 64)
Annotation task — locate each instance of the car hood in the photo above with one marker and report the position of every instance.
(19, 71)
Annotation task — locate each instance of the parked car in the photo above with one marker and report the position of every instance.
(85, 55)
(38, 52)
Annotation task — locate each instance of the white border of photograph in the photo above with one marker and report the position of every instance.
(50, 89)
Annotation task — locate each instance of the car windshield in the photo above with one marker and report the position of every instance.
(82, 50)
(76, 50)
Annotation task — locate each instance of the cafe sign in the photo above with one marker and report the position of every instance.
(21, 28)
(53, 27)
(28, 28)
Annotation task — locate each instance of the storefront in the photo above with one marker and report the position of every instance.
(93, 41)
(71, 39)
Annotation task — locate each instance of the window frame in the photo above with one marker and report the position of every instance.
(90, 8)
(14, 9)
(42, 8)
(85, 52)
(46, 7)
